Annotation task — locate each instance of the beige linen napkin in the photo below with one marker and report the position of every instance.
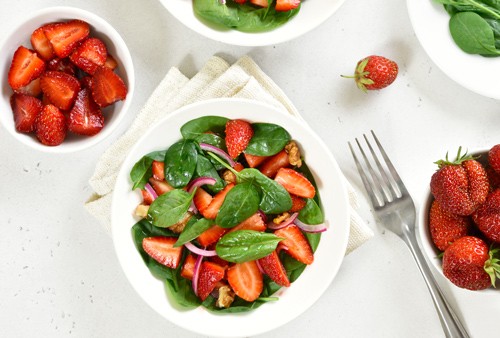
(217, 78)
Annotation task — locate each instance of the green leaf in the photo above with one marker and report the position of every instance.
(168, 209)
(141, 172)
(205, 168)
(311, 213)
(240, 203)
(473, 34)
(197, 127)
(268, 139)
(193, 229)
(212, 139)
(246, 245)
(180, 163)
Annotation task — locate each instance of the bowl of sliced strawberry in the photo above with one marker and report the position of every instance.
(67, 79)
(230, 213)
(460, 220)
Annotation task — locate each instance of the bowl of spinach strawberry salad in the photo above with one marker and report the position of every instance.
(231, 213)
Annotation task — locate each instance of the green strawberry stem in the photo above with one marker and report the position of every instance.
(360, 75)
(492, 266)
(458, 160)
(218, 159)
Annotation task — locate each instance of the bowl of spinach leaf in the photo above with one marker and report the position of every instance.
(247, 24)
(170, 295)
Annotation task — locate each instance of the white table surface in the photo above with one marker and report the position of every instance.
(59, 275)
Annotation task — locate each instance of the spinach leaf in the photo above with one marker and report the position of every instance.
(240, 203)
(304, 169)
(141, 171)
(246, 245)
(197, 127)
(473, 34)
(311, 213)
(205, 168)
(212, 139)
(193, 229)
(180, 163)
(169, 208)
(268, 139)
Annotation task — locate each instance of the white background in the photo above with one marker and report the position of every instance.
(59, 275)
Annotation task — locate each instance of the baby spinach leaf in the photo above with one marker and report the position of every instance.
(311, 213)
(180, 163)
(473, 34)
(212, 139)
(193, 229)
(246, 245)
(304, 169)
(205, 168)
(268, 139)
(240, 203)
(169, 208)
(197, 127)
(141, 171)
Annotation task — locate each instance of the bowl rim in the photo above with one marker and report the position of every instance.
(99, 23)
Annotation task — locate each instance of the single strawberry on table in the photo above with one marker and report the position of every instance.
(238, 135)
(487, 217)
(446, 227)
(374, 72)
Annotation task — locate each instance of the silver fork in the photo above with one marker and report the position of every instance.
(395, 209)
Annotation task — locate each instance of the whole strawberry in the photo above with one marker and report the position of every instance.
(446, 227)
(494, 158)
(468, 264)
(487, 217)
(460, 186)
(374, 72)
(238, 135)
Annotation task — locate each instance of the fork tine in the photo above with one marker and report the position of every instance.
(394, 173)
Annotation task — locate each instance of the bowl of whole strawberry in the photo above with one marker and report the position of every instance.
(67, 80)
(460, 221)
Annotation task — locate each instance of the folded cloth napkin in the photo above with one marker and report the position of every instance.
(216, 79)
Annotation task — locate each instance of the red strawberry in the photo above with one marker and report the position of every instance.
(213, 209)
(254, 160)
(374, 72)
(62, 65)
(41, 44)
(296, 244)
(50, 126)
(187, 270)
(238, 135)
(162, 250)
(286, 5)
(147, 198)
(111, 62)
(160, 187)
(211, 235)
(274, 163)
(468, 264)
(107, 87)
(295, 183)
(240, 1)
(298, 203)
(494, 158)
(445, 227)
(89, 55)
(60, 88)
(202, 200)
(158, 170)
(24, 68)
(246, 280)
(85, 118)
(26, 109)
(487, 217)
(210, 275)
(65, 36)
(493, 178)
(460, 186)
(32, 89)
(86, 82)
(272, 267)
(254, 222)
(260, 3)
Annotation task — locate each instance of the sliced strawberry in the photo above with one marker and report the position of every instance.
(238, 135)
(210, 275)
(107, 87)
(286, 5)
(271, 166)
(254, 222)
(50, 126)
(246, 280)
(187, 270)
(161, 187)
(62, 65)
(65, 36)
(295, 183)
(238, 167)
(147, 198)
(26, 109)
(41, 44)
(298, 203)
(272, 267)
(254, 160)
(85, 118)
(33, 88)
(159, 170)
(24, 68)
(260, 3)
(240, 1)
(60, 88)
(89, 55)
(202, 200)
(213, 209)
(111, 62)
(211, 235)
(296, 244)
(219, 261)
(162, 250)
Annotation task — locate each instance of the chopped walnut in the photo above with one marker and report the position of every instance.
(142, 210)
(281, 218)
(229, 176)
(293, 151)
(226, 297)
(179, 226)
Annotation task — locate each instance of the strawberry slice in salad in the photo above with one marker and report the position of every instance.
(227, 229)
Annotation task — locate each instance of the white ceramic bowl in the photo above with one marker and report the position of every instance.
(293, 300)
(311, 15)
(98, 28)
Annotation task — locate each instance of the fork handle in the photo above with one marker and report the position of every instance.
(450, 322)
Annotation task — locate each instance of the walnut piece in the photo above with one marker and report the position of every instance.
(179, 226)
(293, 151)
(226, 297)
(142, 210)
(229, 176)
(281, 218)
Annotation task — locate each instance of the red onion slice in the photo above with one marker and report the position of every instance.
(196, 274)
(263, 216)
(219, 152)
(194, 249)
(151, 191)
(309, 227)
(198, 182)
(271, 225)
